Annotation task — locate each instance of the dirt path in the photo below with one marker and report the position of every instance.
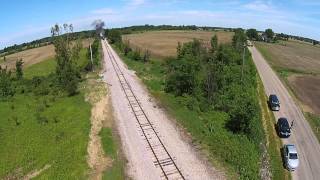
(99, 98)
(304, 139)
(140, 158)
(36, 173)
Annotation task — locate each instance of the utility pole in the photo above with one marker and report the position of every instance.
(91, 55)
(243, 56)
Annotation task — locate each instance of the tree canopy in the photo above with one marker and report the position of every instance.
(252, 34)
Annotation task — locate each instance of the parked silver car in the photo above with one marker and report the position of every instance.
(290, 156)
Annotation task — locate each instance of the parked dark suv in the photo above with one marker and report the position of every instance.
(274, 103)
(283, 127)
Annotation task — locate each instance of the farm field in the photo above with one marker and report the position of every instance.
(292, 56)
(163, 44)
(307, 89)
(32, 56)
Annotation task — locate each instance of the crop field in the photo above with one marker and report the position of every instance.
(292, 56)
(299, 64)
(32, 56)
(307, 89)
(164, 43)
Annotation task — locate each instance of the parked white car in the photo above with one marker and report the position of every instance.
(290, 156)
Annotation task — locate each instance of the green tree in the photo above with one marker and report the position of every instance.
(269, 33)
(239, 39)
(214, 43)
(114, 36)
(19, 71)
(252, 34)
(182, 75)
(6, 86)
(67, 54)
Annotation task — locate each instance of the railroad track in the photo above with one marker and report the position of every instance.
(162, 158)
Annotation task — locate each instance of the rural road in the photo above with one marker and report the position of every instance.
(153, 145)
(302, 136)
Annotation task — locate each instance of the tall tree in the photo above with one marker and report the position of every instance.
(19, 71)
(239, 39)
(252, 34)
(269, 34)
(67, 54)
(6, 87)
(114, 36)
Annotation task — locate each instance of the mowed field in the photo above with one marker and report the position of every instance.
(292, 56)
(33, 56)
(298, 63)
(164, 43)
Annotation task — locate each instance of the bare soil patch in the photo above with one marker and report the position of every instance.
(164, 43)
(307, 88)
(36, 173)
(100, 117)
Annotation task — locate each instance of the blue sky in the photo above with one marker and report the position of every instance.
(23, 20)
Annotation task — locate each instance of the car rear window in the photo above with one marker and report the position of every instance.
(293, 156)
(274, 99)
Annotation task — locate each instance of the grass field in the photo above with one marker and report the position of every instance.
(298, 65)
(57, 138)
(163, 43)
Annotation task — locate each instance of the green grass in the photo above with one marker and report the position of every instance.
(234, 153)
(274, 143)
(62, 142)
(314, 121)
(44, 130)
(48, 66)
(110, 146)
(43, 68)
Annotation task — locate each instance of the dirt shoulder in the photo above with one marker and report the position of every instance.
(100, 113)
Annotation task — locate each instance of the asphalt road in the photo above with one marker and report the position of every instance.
(302, 137)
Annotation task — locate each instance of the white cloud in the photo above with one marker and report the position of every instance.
(137, 2)
(261, 6)
(133, 4)
(105, 11)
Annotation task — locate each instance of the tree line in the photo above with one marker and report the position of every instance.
(269, 36)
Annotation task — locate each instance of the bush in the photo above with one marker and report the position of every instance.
(6, 86)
